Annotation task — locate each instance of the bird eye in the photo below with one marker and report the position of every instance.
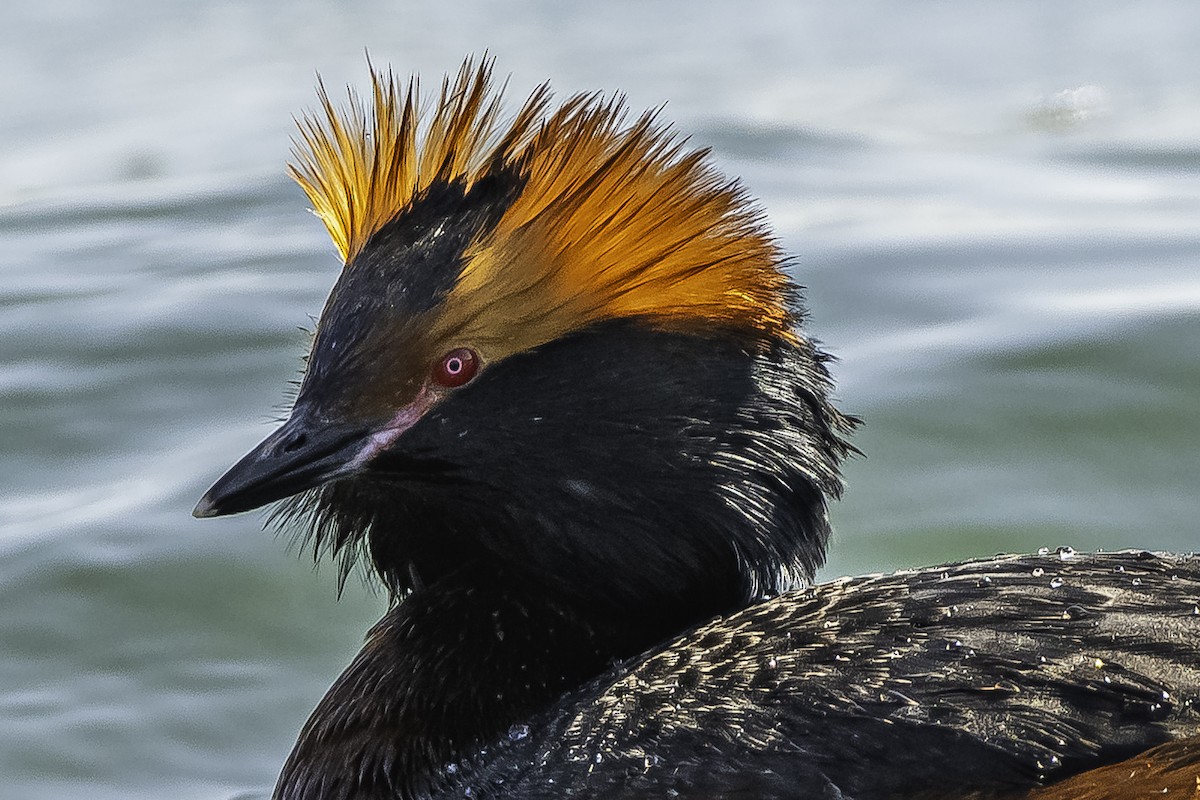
(456, 367)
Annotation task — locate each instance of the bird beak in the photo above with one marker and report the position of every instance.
(300, 455)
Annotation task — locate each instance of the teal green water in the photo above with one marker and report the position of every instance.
(995, 214)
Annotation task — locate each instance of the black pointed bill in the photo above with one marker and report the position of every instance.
(300, 455)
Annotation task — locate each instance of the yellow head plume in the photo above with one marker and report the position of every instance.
(612, 220)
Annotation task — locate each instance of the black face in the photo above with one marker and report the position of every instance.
(620, 463)
(369, 359)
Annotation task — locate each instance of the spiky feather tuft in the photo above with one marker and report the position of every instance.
(361, 166)
(612, 220)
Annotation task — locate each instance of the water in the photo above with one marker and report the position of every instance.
(994, 209)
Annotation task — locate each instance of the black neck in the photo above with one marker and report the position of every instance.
(455, 665)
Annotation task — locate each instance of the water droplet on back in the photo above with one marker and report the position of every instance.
(1075, 612)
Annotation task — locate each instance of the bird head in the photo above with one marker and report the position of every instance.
(564, 345)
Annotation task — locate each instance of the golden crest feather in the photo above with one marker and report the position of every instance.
(360, 167)
(613, 220)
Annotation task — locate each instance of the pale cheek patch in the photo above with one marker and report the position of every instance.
(404, 419)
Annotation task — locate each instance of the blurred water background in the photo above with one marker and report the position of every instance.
(995, 209)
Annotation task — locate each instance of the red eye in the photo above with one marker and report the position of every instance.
(456, 367)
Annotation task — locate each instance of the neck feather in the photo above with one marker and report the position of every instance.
(457, 664)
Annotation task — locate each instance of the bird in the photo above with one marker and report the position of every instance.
(560, 404)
